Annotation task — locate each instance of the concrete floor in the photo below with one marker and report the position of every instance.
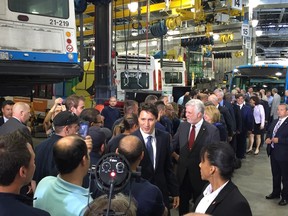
(254, 180)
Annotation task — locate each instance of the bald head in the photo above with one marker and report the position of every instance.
(68, 153)
(131, 147)
(21, 111)
(213, 98)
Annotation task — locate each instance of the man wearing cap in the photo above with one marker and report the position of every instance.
(65, 123)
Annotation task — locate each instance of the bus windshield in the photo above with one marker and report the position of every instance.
(51, 8)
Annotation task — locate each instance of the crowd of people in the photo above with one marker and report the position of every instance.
(187, 152)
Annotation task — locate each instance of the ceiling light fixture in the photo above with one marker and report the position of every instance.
(258, 33)
(216, 36)
(278, 74)
(133, 7)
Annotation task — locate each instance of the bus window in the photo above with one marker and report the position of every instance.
(173, 77)
(51, 8)
(134, 80)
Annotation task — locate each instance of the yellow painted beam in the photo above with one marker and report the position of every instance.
(181, 4)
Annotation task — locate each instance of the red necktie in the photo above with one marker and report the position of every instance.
(192, 137)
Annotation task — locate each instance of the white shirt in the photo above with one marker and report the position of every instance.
(145, 137)
(5, 119)
(197, 128)
(208, 198)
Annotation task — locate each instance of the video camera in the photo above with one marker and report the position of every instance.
(112, 174)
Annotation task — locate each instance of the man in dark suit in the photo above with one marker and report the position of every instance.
(7, 107)
(19, 119)
(247, 126)
(277, 148)
(188, 174)
(156, 164)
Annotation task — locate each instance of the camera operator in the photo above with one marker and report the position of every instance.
(147, 195)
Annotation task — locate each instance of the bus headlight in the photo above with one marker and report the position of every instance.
(70, 56)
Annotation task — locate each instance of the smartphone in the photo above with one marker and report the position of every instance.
(83, 129)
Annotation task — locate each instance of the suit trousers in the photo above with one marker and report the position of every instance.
(241, 144)
(279, 173)
(187, 191)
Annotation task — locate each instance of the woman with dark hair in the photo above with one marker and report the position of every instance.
(221, 196)
(129, 125)
(259, 124)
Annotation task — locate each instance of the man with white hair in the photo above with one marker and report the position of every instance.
(190, 137)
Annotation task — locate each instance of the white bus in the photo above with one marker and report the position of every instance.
(141, 74)
(37, 44)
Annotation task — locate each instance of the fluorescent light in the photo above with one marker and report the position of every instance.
(278, 74)
(258, 33)
(133, 7)
(216, 36)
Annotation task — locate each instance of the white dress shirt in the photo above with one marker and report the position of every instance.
(145, 137)
(208, 198)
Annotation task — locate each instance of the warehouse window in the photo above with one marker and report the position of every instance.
(51, 8)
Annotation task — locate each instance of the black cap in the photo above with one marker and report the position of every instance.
(65, 118)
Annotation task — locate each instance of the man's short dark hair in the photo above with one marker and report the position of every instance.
(129, 105)
(68, 157)
(73, 101)
(150, 108)
(151, 99)
(13, 155)
(7, 102)
(90, 115)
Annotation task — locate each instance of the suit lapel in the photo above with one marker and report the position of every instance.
(223, 193)
(158, 147)
(283, 125)
(200, 134)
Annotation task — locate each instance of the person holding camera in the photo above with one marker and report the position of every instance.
(55, 109)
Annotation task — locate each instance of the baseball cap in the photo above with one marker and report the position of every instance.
(65, 118)
(98, 137)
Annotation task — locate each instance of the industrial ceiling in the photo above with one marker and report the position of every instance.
(198, 18)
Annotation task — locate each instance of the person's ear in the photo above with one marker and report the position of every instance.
(117, 151)
(23, 172)
(102, 148)
(142, 155)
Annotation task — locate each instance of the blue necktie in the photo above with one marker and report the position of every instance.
(275, 131)
(150, 149)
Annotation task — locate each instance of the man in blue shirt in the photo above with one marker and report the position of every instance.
(64, 194)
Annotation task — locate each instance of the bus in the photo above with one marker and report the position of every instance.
(261, 75)
(37, 44)
(138, 75)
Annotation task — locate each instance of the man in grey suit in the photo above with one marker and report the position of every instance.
(20, 117)
(191, 136)
(275, 103)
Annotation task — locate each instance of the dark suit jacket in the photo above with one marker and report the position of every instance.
(12, 125)
(163, 176)
(231, 128)
(229, 202)
(189, 160)
(280, 150)
(1, 120)
(247, 119)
